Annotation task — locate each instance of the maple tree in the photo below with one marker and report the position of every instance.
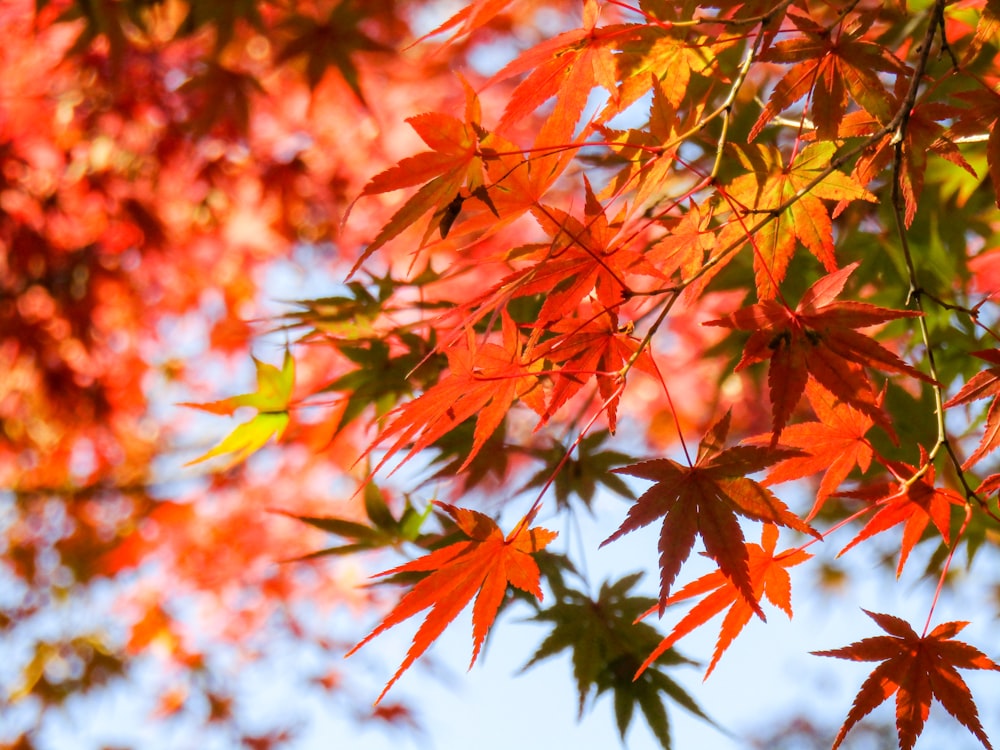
(524, 251)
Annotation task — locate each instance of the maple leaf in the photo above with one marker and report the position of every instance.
(385, 529)
(225, 18)
(481, 567)
(597, 347)
(768, 577)
(582, 474)
(833, 445)
(769, 186)
(834, 65)
(471, 17)
(484, 380)
(649, 163)
(924, 135)
(583, 259)
(329, 43)
(913, 503)
(460, 150)
(915, 669)
(982, 114)
(566, 66)
(687, 245)
(271, 399)
(222, 98)
(607, 643)
(983, 385)
(705, 499)
(818, 339)
(669, 54)
(986, 30)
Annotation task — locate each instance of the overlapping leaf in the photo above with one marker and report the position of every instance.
(455, 163)
(595, 348)
(836, 66)
(385, 529)
(834, 445)
(592, 256)
(819, 339)
(768, 578)
(924, 136)
(483, 381)
(566, 66)
(915, 669)
(705, 500)
(607, 644)
(983, 114)
(481, 567)
(983, 385)
(912, 502)
(802, 185)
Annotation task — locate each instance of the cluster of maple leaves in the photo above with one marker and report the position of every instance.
(766, 223)
(685, 200)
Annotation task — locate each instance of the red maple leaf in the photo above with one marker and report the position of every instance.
(584, 348)
(915, 669)
(818, 339)
(594, 256)
(769, 578)
(982, 115)
(914, 503)
(835, 65)
(585, 257)
(924, 136)
(481, 568)
(567, 66)
(982, 385)
(705, 499)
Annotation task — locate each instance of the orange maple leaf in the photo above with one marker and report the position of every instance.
(484, 381)
(705, 499)
(924, 136)
(594, 256)
(834, 445)
(769, 578)
(460, 151)
(566, 66)
(915, 669)
(818, 339)
(982, 116)
(913, 503)
(596, 347)
(770, 185)
(481, 568)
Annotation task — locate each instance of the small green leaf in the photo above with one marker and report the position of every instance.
(271, 399)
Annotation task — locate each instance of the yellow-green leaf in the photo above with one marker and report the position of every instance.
(274, 391)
